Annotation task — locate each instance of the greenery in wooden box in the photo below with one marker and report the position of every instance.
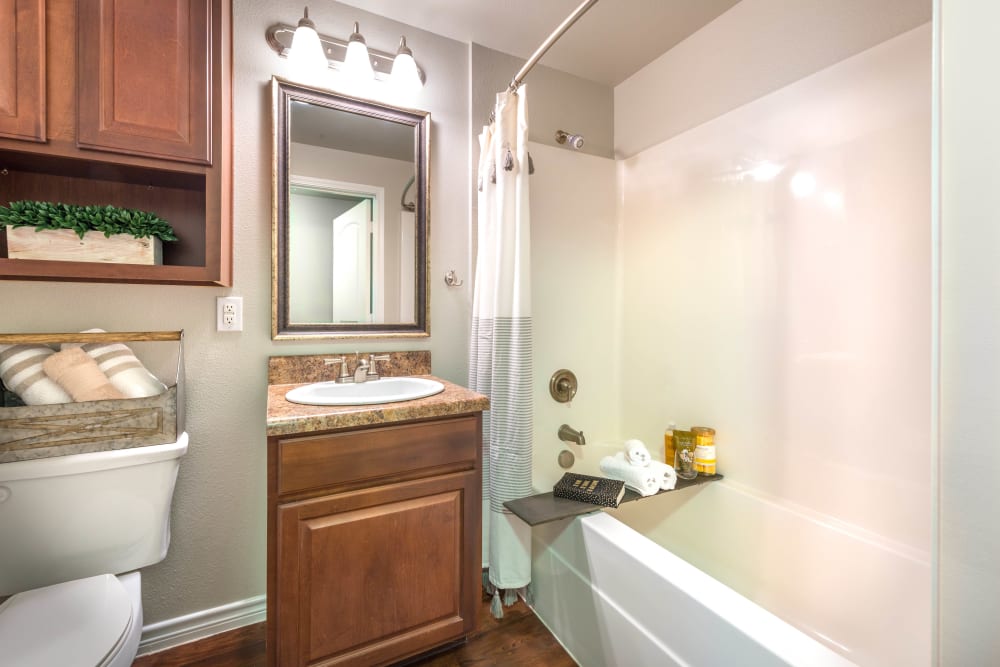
(129, 236)
(82, 219)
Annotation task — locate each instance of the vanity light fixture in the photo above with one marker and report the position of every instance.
(306, 51)
(398, 68)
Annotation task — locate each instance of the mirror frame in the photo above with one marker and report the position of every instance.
(285, 92)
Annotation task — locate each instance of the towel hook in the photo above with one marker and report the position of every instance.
(451, 279)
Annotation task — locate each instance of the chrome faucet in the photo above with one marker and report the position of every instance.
(361, 370)
(364, 370)
(569, 434)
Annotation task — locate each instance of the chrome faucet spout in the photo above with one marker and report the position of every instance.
(361, 371)
(569, 434)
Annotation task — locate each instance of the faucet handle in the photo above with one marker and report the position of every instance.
(343, 366)
(372, 359)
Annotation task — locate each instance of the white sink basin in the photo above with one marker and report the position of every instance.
(386, 390)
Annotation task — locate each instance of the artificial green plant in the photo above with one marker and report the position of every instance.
(82, 219)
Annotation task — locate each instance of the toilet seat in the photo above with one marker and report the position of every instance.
(81, 622)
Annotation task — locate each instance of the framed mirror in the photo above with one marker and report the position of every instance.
(350, 216)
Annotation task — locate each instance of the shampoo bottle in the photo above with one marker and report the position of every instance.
(668, 444)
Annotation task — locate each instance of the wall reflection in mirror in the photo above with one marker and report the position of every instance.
(350, 216)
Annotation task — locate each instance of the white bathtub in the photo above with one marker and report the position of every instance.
(717, 576)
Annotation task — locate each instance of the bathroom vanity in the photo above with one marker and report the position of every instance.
(373, 523)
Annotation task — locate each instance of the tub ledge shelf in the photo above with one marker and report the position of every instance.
(545, 507)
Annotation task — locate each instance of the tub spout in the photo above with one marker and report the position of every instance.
(569, 434)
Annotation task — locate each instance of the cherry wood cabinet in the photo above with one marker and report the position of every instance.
(22, 69)
(144, 74)
(123, 102)
(373, 541)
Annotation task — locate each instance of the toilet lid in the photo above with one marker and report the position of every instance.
(75, 623)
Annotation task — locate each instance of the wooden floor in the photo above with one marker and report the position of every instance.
(517, 640)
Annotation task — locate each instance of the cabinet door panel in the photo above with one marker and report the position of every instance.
(143, 78)
(373, 576)
(22, 69)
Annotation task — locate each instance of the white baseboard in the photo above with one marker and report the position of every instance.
(200, 624)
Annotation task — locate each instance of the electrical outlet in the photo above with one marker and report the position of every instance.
(229, 313)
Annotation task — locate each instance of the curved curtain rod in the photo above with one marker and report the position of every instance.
(515, 83)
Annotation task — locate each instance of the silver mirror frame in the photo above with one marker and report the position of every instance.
(284, 92)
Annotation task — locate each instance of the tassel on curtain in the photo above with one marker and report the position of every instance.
(500, 363)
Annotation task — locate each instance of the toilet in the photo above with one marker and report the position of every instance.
(74, 530)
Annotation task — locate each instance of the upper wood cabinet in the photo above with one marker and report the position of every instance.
(144, 73)
(122, 102)
(22, 69)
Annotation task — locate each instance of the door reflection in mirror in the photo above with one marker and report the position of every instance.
(333, 239)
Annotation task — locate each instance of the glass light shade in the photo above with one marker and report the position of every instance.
(307, 54)
(405, 77)
(357, 62)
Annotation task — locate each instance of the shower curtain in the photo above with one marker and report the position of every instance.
(500, 349)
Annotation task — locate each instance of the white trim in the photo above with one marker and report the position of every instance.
(173, 632)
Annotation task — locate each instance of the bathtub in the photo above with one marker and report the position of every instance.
(716, 575)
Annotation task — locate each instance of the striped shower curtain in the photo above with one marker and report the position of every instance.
(500, 350)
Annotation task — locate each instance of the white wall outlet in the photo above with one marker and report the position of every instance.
(229, 313)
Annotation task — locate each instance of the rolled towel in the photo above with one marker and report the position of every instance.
(665, 473)
(636, 453)
(643, 481)
(21, 371)
(79, 375)
(125, 371)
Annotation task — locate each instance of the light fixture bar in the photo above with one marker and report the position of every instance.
(279, 38)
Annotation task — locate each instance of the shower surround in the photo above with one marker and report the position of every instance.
(767, 273)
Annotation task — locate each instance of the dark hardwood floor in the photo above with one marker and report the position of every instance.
(517, 640)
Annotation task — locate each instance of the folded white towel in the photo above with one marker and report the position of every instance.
(665, 475)
(636, 453)
(643, 481)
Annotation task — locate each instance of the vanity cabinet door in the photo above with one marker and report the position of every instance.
(372, 576)
(145, 76)
(22, 69)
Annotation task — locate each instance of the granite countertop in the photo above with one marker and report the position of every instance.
(285, 418)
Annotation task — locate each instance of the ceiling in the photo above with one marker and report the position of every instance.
(645, 28)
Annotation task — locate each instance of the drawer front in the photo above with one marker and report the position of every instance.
(332, 459)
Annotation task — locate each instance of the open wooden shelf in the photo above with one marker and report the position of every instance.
(164, 145)
(545, 507)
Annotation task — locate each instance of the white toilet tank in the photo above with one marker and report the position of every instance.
(69, 517)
